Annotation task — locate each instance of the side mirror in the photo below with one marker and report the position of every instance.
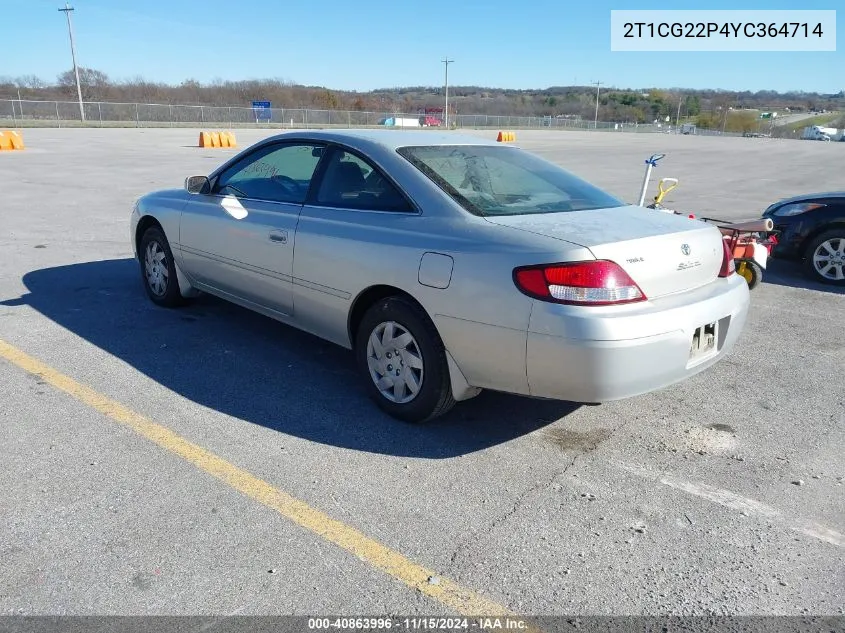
(197, 184)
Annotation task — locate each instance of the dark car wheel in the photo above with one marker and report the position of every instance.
(403, 361)
(158, 270)
(824, 259)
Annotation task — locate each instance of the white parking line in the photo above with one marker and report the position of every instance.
(738, 502)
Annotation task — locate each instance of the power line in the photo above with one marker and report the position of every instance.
(67, 11)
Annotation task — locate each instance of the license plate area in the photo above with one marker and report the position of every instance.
(703, 343)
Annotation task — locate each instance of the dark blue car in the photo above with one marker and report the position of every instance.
(811, 229)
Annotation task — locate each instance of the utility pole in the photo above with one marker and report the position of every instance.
(67, 10)
(678, 118)
(447, 61)
(596, 123)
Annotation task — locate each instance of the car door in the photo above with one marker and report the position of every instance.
(353, 231)
(238, 240)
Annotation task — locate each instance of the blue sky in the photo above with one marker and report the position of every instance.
(361, 45)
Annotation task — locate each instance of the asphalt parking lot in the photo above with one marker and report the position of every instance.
(212, 461)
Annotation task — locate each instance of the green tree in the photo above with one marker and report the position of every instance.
(656, 109)
(693, 105)
(628, 99)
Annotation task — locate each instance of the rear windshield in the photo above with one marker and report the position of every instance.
(502, 180)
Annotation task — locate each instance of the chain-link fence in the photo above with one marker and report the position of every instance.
(24, 113)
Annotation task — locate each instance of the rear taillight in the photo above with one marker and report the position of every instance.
(728, 265)
(579, 283)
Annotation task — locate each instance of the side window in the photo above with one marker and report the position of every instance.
(278, 173)
(350, 182)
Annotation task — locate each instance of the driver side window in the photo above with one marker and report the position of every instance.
(278, 173)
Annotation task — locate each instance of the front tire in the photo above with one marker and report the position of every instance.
(403, 361)
(824, 258)
(158, 270)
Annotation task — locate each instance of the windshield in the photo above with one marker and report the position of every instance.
(500, 180)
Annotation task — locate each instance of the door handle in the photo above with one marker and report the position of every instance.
(280, 237)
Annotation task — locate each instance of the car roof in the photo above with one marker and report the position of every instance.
(389, 139)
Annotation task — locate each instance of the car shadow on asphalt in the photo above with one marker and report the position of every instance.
(789, 274)
(250, 367)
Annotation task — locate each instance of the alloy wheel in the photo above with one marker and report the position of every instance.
(829, 259)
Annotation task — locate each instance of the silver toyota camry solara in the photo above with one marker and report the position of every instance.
(449, 265)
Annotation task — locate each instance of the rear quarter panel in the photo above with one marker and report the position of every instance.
(481, 316)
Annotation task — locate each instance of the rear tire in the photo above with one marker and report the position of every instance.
(824, 257)
(403, 361)
(158, 270)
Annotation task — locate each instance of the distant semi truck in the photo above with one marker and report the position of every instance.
(819, 133)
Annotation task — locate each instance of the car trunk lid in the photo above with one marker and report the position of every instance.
(663, 253)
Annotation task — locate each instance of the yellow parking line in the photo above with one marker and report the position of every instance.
(460, 599)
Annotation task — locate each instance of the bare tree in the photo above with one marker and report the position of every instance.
(31, 82)
(93, 83)
(616, 104)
